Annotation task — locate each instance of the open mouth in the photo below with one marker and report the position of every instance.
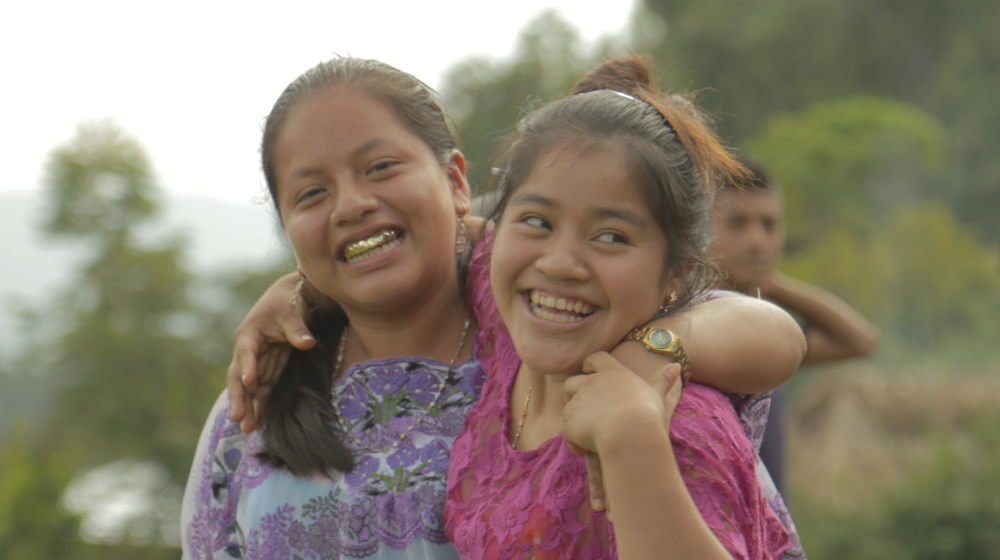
(373, 246)
(561, 310)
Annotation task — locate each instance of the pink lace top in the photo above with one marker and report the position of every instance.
(504, 503)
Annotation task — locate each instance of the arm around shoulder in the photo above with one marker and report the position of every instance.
(735, 344)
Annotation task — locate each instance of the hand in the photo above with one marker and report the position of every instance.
(610, 400)
(262, 349)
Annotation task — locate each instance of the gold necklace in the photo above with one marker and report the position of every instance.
(520, 425)
(440, 388)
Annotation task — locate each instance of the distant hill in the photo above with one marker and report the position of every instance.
(221, 235)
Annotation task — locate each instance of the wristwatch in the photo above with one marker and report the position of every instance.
(663, 341)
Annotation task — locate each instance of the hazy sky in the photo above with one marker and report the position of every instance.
(192, 79)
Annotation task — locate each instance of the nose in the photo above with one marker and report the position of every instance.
(564, 259)
(758, 235)
(354, 202)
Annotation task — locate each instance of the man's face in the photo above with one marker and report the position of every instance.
(749, 235)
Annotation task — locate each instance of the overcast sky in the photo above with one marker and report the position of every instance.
(192, 79)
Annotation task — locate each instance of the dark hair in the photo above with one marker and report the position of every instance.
(672, 153)
(756, 180)
(298, 416)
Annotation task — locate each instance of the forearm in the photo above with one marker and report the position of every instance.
(653, 513)
(735, 344)
(836, 330)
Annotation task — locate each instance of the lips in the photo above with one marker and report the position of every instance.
(364, 249)
(559, 309)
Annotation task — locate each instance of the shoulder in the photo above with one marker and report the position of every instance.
(708, 438)
(718, 464)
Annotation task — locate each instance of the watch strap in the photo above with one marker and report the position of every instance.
(675, 349)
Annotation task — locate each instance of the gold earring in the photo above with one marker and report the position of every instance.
(666, 306)
(462, 235)
(297, 292)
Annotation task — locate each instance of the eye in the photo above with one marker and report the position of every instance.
(536, 221)
(309, 193)
(611, 237)
(381, 166)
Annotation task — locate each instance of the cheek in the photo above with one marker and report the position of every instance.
(506, 262)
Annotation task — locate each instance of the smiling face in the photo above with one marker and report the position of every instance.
(367, 205)
(578, 260)
(749, 235)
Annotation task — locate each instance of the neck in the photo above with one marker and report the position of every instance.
(430, 328)
(543, 416)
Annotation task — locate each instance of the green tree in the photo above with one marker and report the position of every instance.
(124, 345)
(489, 95)
(927, 282)
(848, 162)
(769, 56)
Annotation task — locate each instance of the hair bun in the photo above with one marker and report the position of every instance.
(628, 75)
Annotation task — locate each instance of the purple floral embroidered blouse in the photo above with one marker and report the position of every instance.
(390, 507)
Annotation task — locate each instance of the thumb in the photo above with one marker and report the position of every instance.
(302, 339)
(664, 379)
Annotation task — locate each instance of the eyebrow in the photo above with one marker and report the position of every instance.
(600, 213)
(530, 198)
(309, 172)
(623, 215)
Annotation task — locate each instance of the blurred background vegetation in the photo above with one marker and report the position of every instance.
(874, 115)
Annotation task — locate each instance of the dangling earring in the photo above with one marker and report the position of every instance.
(666, 306)
(462, 235)
(297, 293)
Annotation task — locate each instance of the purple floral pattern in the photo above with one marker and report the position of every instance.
(237, 506)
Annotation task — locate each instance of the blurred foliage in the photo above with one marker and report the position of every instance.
(770, 56)
(847, 162)
(947, 509)
(855, 174)
(137, 348)
(488, 96)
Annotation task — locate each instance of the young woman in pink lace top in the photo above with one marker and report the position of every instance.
(603, 220)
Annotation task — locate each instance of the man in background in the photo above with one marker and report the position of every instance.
(749, 242)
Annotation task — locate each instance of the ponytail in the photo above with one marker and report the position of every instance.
(298, 417)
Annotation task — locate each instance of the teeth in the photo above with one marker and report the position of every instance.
(537, 310)
(367, 247)
(540, 302)
(375, 252)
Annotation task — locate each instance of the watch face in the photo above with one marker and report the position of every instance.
(658, 338)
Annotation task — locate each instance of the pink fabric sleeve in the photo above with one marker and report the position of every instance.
(479, 297)
(717, 462)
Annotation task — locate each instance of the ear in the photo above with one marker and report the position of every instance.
(460, 192)
(676, 282)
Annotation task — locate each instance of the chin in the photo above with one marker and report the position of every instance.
(547, 364)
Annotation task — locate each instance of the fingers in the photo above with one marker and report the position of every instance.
(272, 364)
(236, 377)
(573, 385)
(595, 476)
(236, 395)
(673, 395)
(663, 380)
(600, 361)
(245, 352)
(295, 331)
